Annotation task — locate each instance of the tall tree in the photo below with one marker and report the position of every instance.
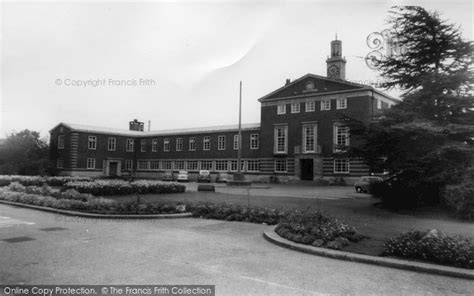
(427, 138)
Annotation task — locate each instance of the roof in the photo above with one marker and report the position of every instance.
(124, 132)
(323, 85)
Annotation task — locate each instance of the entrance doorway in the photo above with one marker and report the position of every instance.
(307, 166)
(113, 168)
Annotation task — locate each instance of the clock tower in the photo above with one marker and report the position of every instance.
(336, 64)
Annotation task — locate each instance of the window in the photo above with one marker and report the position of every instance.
(236, 142)
(310, 106)
(254, 141)
(129, 146)
(60, 164)
(166, 164)
(192, 165)
(166, 145)
(111, 144)
(142, 165)
(379, 104)
(341, 137)
(179, 144)
(281, 139)
(91, 163)
(221, 165)
(154, 145)
(179, 165)
(155, 165)
(341, 103)
(92, 144)
(206, 165)
(206, 144)
(280, 166)
(221, 143)
(325, 105)
(128, 164)
(233, 165)
(341, 165)
(61, 142)
(253, 165)
(295, 108)
(281, 109)
(309, 138)
(192, 144)
(143, 145)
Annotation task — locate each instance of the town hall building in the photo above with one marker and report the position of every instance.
(301, 136)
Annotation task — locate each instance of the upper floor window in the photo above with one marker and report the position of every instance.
(221, 143)
(254, 141)
(309, 138)
(192, 144)
(341, 103)
(166, 145)
(236, 142)
(143, 145)
(341, 137)
(92, 144)
(129, 146)
(310, 106)
(206, 144)
(61, 142)
(154, 145)
(281, 109)
(341, 165)
(325, 105)
(295, 108)
(111, 144)
(179, 144)
(281, 139)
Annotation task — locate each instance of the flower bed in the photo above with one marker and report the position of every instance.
(6, 180)
(313, 228)
(432, 246)
(120, 187)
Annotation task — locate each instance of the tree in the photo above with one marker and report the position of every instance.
(24, 153)
(425, 140)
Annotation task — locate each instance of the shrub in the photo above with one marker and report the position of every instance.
(432, 246)
(120, 187)
(5, 180)
(460, 199)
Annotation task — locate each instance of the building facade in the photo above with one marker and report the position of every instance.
(301, 136)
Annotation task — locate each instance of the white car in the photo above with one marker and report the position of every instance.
(182, 176)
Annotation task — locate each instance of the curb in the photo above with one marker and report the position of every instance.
(100, 216)
(273, 237)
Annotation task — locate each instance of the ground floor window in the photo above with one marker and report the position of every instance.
(221, 165)
(143, 165)
(179, 165)
(192, 165)
(128, 164)
(281, 166)
(233, 165)
(155, 165)
(253, 165)
(60, 164)
(91, 163)
(166, 164)
(206, 165)
(341, 165)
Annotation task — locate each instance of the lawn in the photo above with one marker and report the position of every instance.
(360, 212)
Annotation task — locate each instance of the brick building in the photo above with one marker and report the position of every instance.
(301, 136)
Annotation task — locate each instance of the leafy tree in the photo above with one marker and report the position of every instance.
(24, 153)
(426, 140)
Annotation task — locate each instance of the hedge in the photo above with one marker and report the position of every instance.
(120, 187)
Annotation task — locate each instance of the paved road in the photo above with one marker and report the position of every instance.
(231, 255)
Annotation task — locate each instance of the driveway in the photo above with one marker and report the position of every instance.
(231, 255)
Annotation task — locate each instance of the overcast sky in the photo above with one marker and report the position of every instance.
(182, 60)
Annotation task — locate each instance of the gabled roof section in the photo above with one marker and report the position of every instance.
(311, 84)
(123, 132)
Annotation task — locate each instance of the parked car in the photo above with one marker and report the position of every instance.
(168, 176)
(182, 176)
(204, 176)
(363, 184)
(223, 178)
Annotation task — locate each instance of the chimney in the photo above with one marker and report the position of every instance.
(288, 81)
(136, 125)
(149, 125)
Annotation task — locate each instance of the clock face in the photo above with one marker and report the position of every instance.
(333, 71)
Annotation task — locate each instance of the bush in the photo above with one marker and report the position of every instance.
(313, 228)
(5, 180)
(460, 199)
(120, 187)
(432, 246)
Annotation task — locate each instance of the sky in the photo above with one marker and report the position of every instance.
(176, 64)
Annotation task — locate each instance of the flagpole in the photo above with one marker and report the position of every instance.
(239, 151)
